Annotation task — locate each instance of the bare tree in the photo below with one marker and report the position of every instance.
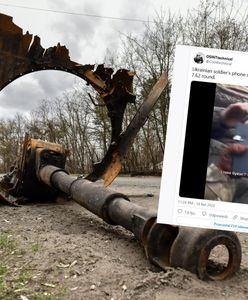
(80, 122)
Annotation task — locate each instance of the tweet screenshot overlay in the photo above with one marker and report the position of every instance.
(205, 169)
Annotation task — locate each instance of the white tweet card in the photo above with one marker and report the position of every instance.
(205, 169)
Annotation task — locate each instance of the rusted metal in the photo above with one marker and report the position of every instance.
(110, 166)
(23, 180)
(40, 171)
(164, 245)
(197, 245)
(44, 176)
(94, 198)
(21, 54)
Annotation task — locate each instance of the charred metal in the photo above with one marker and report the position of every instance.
(40, 171)
(23, 54)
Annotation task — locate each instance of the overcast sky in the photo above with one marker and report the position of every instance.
(87, 39)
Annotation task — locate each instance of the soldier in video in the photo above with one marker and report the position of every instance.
(221, 184)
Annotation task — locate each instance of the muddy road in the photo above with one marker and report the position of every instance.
(61, 251)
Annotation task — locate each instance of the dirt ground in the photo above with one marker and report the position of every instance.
(61, 251)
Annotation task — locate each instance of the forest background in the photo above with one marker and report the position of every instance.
(74, 121)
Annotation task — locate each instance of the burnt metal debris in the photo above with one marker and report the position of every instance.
(40, 170)
(22, 54)
(40, 174)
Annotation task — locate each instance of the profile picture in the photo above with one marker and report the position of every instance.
(199, 58)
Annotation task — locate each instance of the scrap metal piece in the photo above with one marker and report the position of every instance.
(197, 245)
(111, 164)
(21, 54)
(23, 181)
(40, 171)
(164, 245)
(44, 176)
(5, 198)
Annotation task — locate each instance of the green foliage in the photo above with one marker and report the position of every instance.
(22, 278)
(6, 243)
(35, 248)
(41, 296)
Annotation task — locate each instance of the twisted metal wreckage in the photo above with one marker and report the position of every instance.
(40, 174)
